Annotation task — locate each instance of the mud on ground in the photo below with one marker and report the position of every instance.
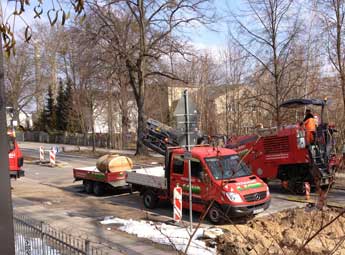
(286, 233)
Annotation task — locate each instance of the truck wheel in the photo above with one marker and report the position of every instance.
(98, 189)
(216, 215)
(150, 199)
(88, 185)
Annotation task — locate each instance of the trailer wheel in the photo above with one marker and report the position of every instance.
(216, 215)
(88, 185)
(150, 199)
(98, 189)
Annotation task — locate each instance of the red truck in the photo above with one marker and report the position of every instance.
(218, 177)
(15, 157)
(282, 153)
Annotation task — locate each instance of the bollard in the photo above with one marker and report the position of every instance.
(177, 203)
(307, 190)
(52, 158)
(41, 154)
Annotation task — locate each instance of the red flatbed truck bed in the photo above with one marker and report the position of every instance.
(98, 182)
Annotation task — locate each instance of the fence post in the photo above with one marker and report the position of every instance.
(87, 247)
(42, 237)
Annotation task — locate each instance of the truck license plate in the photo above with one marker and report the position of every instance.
(258, 211)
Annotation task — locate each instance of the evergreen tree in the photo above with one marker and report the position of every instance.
(68, 99)
(50, 110)
(61, 118)
(41, 122)
(64, 105)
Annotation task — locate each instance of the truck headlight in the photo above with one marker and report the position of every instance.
(234, 197)
(268, 191)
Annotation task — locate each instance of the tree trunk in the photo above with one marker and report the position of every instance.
(141, 149)
(110, 119)
(38, 84)
(6, 219)
(141, 65)
(125, 129)
(93, 137)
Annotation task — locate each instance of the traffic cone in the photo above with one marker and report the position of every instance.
(285, 184)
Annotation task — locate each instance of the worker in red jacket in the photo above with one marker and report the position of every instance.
(309, 123)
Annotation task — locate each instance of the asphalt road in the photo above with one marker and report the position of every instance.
(51, 193)
(62, 177)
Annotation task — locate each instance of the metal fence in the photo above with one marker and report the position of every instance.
(101, 140)
(38, 238)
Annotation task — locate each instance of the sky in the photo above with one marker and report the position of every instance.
(214, 38)
(201, 37)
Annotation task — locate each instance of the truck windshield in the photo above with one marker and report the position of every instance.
(227, 167)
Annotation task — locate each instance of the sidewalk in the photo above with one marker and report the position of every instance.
(80, 216)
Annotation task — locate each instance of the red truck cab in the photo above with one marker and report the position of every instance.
(15, 157)
(218, 175)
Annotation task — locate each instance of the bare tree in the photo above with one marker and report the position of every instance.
(332, 13)
(268, 31)
(234, 68)
(143, 33)
(19, 81)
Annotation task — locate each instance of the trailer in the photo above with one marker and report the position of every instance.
(97, 182)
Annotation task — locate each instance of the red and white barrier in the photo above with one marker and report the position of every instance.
(177, 204)
(41, 154)
(52, 158)
(307, 190)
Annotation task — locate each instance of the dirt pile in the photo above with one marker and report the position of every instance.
(286, 233)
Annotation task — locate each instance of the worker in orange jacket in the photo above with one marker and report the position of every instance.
(309, 123)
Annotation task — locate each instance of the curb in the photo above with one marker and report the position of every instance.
(46, 163)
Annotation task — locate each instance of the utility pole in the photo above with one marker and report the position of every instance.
(6, 211)
(188, 157)
(187, 125)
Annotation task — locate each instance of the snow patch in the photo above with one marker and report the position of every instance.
(164, 234)
(32, 246)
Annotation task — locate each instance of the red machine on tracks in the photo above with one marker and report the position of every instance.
(282, 153)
